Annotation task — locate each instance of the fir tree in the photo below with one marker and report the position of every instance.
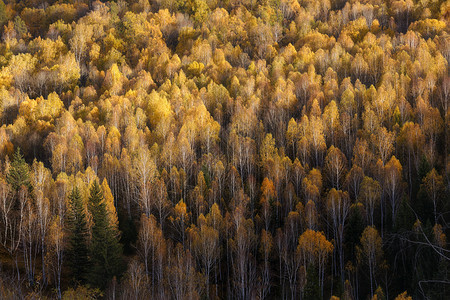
(3, 17)
(106, 251)
(19, 173)
(312, 288)
(78, 252)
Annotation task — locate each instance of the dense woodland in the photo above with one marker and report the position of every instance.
(236, 149)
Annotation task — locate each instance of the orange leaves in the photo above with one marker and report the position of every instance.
(204, 241)
(393, 169)
(335, 165)
(205, 246)
(110, 208)
(311, 215)
(56, 234)
(313, 247)
(439, 236)
(268, 193)
(180, 211)
(160, 113)
(435, 189)
(411, 136)
(42, 109)
(312, 185)
(338, 205)
(371, 245)
(369, 195)
(403, 296)
(393, 184)
(114, 80)
(200, 128)
(268, 189)
(268, 149)
(383, 141)
(140, 30)
(231, 121)
(428, 27)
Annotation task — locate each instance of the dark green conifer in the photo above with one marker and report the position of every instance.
(312, 288)
(19, 173)
(3, 17)
(106, 251)
(78, 252)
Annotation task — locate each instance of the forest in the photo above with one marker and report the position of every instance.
(225, 149)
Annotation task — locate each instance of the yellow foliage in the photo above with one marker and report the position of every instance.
(313, 247)
(110, 205)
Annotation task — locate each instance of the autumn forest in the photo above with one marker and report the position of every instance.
(225, 149)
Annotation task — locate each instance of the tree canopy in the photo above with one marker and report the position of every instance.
(201, 149)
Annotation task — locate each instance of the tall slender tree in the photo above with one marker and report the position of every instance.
(19, 173)
(106, 251)
(78, 248)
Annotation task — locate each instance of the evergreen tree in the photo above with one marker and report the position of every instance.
(19, 173)
(20, 26)
(106, 251)
(3, 17)
(405, 217)
(78, 252)
(353, 230)
(312, 288)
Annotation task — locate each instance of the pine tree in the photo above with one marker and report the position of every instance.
(19, 173)
(312, 288)
(3, 17)
(78, 252)
(106, 251)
